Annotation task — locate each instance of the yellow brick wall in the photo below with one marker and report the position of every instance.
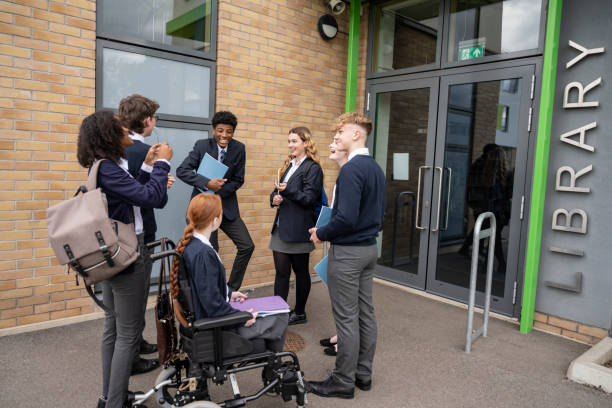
(568, 328)
(47, 86)
(273, 71)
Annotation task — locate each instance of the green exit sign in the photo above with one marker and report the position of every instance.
(471, 53)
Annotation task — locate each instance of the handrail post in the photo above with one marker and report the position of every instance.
(470, 334)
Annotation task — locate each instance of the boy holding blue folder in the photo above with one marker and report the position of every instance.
(231, 153)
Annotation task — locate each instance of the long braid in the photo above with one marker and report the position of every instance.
(180, 248)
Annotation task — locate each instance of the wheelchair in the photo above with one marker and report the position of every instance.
(209, 354)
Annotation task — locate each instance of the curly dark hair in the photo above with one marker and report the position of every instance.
(134, 109)
(225, 118)
(100, 137)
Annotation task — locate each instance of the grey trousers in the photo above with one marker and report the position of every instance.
(123, 293)
(272, 329)
(349, 278)
(145, 263)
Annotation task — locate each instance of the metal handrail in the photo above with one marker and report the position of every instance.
(470, 334)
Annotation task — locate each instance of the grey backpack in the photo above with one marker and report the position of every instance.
(84, 238)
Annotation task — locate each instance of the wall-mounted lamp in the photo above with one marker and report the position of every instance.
(336, 6)
(328, 27)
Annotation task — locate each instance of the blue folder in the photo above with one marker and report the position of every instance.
(211, 168)
(324, 217)
(321, 269)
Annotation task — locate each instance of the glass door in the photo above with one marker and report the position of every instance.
(480, 164)
(404, 116)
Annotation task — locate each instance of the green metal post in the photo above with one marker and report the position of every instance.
(540, 168)
(353, 57)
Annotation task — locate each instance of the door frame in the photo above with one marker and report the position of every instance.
(517, 224)
(406, 278)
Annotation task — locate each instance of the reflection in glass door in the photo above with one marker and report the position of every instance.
(404, 132)
(482, 136)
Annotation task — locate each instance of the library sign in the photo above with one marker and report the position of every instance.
(575, 273)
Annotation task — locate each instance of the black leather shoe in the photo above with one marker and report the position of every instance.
(326, 342)
(101, 402)
(295, 318)
(330, 351)
(147, 348)
(143, 365)
(363, 385)
(330, 388)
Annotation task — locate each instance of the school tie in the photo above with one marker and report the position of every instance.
(222, 155)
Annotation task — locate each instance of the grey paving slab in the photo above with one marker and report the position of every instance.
(419, 362)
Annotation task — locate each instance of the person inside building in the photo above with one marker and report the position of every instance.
(296, 195)
(230, 152)
(138, 114)
(211, 295)
(101, 136)
(356, 218)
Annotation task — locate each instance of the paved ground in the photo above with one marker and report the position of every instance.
(419, 362)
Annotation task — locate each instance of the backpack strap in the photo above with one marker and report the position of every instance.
(307, 165)
(92, 179)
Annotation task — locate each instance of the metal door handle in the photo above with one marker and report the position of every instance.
(439, 201)
(418, 201)
(450, 176)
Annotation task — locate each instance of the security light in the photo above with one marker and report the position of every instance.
(336, 6)
(328, 27)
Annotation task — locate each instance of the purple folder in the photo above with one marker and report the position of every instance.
(263, 305)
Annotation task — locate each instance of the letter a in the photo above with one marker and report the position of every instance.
(582, 130)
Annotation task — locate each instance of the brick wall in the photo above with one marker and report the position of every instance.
(274, 72)
(568, 328)
(47, 70)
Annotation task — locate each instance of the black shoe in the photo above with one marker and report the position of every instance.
(295, 318)
(147, 348)
(330, 351)
(326, 342)
(143, 365)
(102, 402)
(330, 388)
(363, 385)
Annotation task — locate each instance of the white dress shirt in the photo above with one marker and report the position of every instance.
(361, 151)
(219, 150)
(137, 215)
(294, 166)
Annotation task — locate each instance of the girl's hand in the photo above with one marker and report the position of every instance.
(152, 154)
(280, 186)
(277, 200)
(238, 297)
(251, 322)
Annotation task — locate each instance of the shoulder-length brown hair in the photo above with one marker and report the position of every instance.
(100, 137)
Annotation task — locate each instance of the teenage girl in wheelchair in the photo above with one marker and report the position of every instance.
(216, 340)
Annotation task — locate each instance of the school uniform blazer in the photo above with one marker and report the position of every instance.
(207, 278)
(300, 198)
(123, 191)
(136, 155)
(235, 160)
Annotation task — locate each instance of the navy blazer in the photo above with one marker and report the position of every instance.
(123, 191)
(136, 155)
(300, 198)
(235, 160)
(207, 279)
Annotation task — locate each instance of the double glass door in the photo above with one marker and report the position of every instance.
(453, 147)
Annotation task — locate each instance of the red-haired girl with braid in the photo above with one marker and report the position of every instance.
(210, 294)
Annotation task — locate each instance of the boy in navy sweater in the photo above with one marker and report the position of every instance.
(352, 230)
(138, 114)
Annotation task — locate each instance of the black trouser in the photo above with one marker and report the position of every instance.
(299, 262)
(239, 234)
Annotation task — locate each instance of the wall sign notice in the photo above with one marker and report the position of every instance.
(574, 275)
(472, 49)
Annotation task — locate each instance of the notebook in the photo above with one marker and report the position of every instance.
(264, 306)
(211, 168)
(321, 269)
(324, 217)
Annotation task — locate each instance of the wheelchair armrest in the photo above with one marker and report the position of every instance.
(221, 321)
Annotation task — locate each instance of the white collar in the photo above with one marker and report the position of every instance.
(202, 238)
(123, 164)
(219, 148)
(361, 151)
(297, 164)
(137, 136)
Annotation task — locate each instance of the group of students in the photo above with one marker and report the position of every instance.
(136, 177)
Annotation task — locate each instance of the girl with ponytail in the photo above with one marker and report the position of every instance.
(210, 294)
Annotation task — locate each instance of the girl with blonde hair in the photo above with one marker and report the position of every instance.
(296, 196)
